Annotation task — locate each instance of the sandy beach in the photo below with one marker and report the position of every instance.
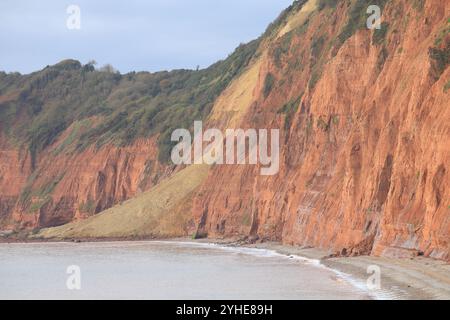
(407, 279)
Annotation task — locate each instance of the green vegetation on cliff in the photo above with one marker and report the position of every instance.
(357, 17)
(125, 107)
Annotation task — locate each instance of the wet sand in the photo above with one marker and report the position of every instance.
(407, 279)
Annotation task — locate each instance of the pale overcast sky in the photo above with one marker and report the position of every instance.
(132, 35)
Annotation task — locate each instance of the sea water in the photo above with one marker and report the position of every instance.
(163, 270)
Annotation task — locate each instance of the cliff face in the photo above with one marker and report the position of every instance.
(64, 188)
(14, 171)
(365, 136)
(364, 123)
(75, 141)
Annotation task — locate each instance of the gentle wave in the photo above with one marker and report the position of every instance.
(379, 294)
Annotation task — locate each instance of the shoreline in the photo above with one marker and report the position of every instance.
(417, 278)
(404, 279)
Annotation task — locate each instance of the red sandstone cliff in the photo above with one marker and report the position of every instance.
(364, 119)
(365, 154)
(78, 185)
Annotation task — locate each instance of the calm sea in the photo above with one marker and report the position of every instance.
(163, 270)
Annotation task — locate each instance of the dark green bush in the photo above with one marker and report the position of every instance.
(447, 86)
(418, 4)
(289, 109)
(382, 57)
(315, 77)
(379, 35)
(317, 47)
(268, 84)
(440, 58)
(322, 4)
(357, 18)
(282, 48)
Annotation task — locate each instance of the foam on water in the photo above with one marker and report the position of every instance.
(378, 294)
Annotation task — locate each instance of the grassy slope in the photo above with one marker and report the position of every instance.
(165, 211)
(162, 211)
(299, 17)
(67, 108)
